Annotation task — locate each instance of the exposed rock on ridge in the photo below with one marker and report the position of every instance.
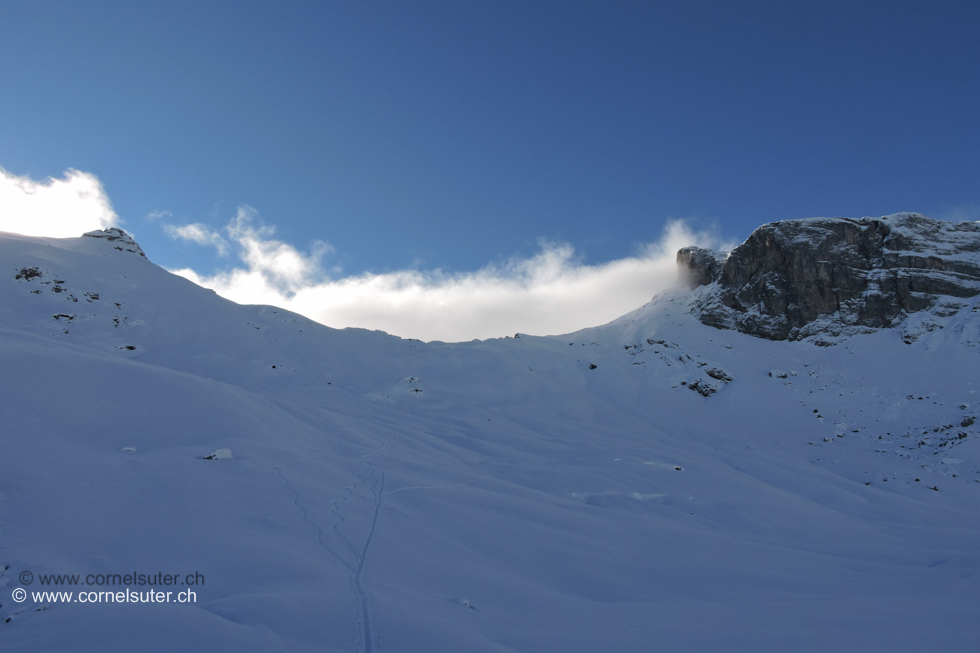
(122, 240)
(698, 266)
(799, 278)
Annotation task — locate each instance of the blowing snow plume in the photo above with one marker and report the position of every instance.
(551, 292)
(56, 208)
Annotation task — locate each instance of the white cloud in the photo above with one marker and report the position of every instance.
(198, 233)
(280, 265)
(56, 208)
(549, 293)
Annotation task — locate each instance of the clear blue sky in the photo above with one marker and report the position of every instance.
(458, 133)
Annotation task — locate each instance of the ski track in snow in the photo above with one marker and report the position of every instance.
(366, 629)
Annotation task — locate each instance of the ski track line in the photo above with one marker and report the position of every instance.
(377, 490)
(369, 637)
(306, 518)
(368, 633)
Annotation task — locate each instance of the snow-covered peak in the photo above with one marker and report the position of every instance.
(121, 240)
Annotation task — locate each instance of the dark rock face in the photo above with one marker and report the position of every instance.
(863, 273)
(699, 267)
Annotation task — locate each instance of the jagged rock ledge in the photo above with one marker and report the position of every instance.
(798, 278)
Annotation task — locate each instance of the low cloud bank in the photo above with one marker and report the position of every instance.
(548, 293)
(56, 208)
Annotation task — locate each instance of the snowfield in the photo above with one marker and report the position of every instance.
(653, 484)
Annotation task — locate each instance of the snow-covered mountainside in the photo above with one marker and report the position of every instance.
(652, 484)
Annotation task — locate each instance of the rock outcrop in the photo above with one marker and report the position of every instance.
(120, 239)
(698, 266)
(796, 278)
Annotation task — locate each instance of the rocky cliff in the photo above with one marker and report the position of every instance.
(799, 278)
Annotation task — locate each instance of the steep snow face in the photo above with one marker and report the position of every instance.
(836, 276)
(654, 483)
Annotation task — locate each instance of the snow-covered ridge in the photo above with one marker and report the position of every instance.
(826, 277)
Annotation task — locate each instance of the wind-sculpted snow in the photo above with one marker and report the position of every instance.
(651, 484)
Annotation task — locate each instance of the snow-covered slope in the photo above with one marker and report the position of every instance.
(523, 494)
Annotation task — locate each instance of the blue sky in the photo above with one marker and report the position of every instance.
(456, 135)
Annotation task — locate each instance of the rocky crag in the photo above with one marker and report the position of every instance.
(823, 277)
